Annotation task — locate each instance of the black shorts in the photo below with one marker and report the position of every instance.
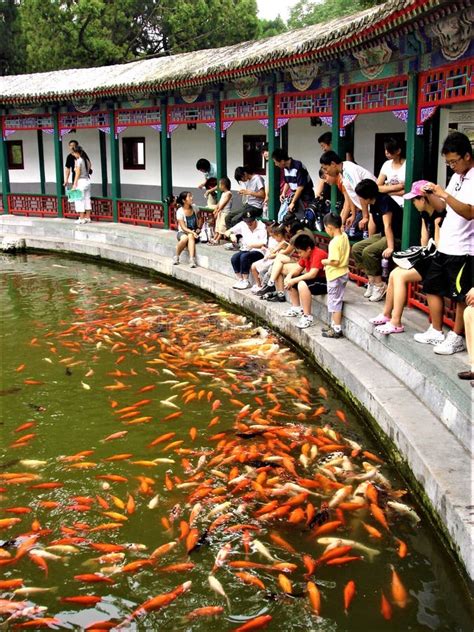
(317, 287)
(423, 266)
(449, 276)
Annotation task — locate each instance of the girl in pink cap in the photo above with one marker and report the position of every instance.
(390, 320)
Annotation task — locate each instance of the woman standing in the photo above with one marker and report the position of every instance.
(188, 231)
(391, 179)
(82, 183)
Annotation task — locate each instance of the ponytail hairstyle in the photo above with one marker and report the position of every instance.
(78, 149)
(181, 199)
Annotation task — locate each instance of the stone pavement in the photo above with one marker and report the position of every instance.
(419, 405)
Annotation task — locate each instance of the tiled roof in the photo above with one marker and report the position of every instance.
(321, 41)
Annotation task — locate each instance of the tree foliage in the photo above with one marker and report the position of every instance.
(81, 33)
(307, 12)
(268, 28)
(12, 45)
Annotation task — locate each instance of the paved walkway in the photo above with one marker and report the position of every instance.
(422, 409)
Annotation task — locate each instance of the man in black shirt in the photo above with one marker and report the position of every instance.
(385, 230)
(71, 162)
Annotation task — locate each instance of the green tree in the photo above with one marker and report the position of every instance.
(268, 28)
(307, 12)
(81, 33)
(12, 45)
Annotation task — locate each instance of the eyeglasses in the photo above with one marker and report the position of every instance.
(452, 163)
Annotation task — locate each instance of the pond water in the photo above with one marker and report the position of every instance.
(151, 438)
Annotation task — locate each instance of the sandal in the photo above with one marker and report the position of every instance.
(388, 329)
(381, 319)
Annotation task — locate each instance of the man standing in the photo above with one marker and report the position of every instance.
(450, 273)
(297, 180)
(71, 162)
(253, 195)
(209, 186)
(351, 174)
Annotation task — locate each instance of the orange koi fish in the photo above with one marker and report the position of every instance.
(82, 600)
(385, 608)
(255, 624)
(248, 578)
(314, 597)
(206, 611)
(349, 592)
(399, 593)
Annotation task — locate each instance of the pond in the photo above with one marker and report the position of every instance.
(166, 464)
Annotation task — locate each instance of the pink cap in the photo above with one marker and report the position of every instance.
(416, 189)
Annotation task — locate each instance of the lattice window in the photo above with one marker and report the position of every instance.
(27, 122)
(304, 104)
(141, 213)
(244, 109)
(142, 116)
(375, 96)
(101, 209)
(33, 205)
(448, 84)
(80, 120)
(181, 114)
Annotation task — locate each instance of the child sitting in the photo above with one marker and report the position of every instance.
(385, 229)
(390, 320)
(276, 243)
(223, 207)
(305, 280)
(337, 272)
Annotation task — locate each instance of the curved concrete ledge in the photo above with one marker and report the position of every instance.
(416, 406)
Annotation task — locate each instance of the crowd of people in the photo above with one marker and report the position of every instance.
(280, 261)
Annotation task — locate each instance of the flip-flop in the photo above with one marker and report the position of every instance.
(379, 320)
(388, 329)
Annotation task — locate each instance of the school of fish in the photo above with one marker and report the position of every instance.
(267, 481)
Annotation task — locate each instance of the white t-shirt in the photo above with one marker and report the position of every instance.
(256, 183)
(394, 176)
(258, 236)
(351, 175)
(456, 235)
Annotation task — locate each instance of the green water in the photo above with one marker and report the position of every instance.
(73, 325)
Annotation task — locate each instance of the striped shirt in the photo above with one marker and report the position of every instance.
(296, 175)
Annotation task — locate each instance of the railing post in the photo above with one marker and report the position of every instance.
(273, 141)
(115, 164)
(4, 167)
(58, 162)
(414, 165)
(166, 175)
(103, 163)
(338, 143)
(39, 137)
(221, 143)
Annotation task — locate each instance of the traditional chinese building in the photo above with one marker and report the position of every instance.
(401, 69)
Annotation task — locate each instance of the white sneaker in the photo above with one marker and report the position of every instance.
(175, 260)
(369, 290)
(255, 288)
(193, 263)
(293, 312)
(241, 284)
(378, 293)
(453, 343)
(80, 221)
(304, 322)
(87, 220)
(430, 337)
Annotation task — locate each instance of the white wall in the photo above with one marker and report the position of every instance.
(30, 159)
(461, 114)
(89, 141)
(366, 126)
(187, 146)
(303, 144)
(151, 174)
